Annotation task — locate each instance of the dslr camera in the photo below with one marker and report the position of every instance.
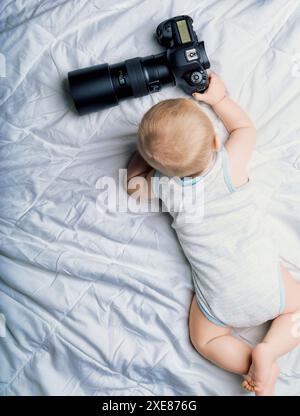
(184, 63)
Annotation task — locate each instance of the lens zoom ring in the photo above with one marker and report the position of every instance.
(136, 77)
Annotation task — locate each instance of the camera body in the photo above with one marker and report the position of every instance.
(186, 55)
(184, 63)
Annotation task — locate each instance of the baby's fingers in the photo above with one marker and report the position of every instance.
(212, 75)
(196, 95)
(199, 96)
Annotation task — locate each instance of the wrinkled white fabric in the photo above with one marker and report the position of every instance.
(97, 302)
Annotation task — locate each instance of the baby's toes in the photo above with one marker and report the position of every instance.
(252, 384)
(248, 379)
(246, 385)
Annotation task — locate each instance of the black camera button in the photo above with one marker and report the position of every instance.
(196, 77)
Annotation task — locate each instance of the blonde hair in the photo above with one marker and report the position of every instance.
(176, 137)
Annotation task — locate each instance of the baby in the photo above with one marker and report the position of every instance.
(237, 275)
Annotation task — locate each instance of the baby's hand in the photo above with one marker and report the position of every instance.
(215, 93)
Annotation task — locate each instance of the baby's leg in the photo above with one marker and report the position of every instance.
(216, 344)
(284, 333)
(282, 337)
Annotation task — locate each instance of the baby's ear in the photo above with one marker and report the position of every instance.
(217, 143)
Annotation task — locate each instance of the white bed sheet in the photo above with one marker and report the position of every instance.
(95, 302)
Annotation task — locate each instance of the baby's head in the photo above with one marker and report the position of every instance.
(176, 137)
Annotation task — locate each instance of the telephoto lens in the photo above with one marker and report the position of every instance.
(102, 86)
(184, 63)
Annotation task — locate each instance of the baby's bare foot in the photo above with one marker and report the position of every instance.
(261, 371)
(247, 384)
(270, 386)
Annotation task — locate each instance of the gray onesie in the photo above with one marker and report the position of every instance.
(235, 265)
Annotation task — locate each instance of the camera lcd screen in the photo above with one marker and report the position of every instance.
(183, 31)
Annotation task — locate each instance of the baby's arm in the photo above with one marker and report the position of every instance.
(139, 175)
(242, 139)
